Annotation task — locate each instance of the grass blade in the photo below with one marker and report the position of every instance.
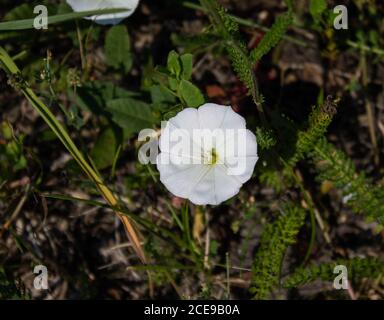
(14, 73)
(28, 23)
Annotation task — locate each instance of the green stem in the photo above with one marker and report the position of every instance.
(253, 86)
(16, 78)
(248, 23)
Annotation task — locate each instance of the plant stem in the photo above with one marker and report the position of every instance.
(248, 23)
(15, 76)
(231, 41)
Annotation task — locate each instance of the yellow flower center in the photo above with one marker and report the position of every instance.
(213, 158)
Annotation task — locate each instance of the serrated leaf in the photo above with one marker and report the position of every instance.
(131, 114)
(317, 7)
(191, 94)
(118, 48)
(269, 41)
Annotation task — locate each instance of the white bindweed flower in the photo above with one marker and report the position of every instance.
(206, 154)
(113, 18)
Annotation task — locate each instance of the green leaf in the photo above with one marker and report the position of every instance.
(173, 63)
(131, 114)
(271, 38)
(94, 96)
(118, 48)
(173, 83)
(14, 73)
(105, 148)
(23, 11)
(6, 130)
(358, 268)
(63, 8)
(317, 7)
(160, 94)
(191, 94)
(275, 240)
(28, 23)
(187, 65)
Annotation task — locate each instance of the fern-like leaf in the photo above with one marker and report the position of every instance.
(275, 239)
(319, 120)
(273, 36)
(358, 192)
(357, 268)
(228, 29)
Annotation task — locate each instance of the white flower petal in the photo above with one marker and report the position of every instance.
(202, 191)
(114, 18)
(211, 115)
(225, 186)
(214, 187)
(241, 168)
(179, 179)
(187, 119)
(245, 144)
(206, 183)
(85, 5)
(214, 116)
(242, 163)
(178, 140)
(233, 120)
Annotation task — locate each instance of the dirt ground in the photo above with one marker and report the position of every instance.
(85, 247)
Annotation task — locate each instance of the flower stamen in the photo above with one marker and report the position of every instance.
(213, 157)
